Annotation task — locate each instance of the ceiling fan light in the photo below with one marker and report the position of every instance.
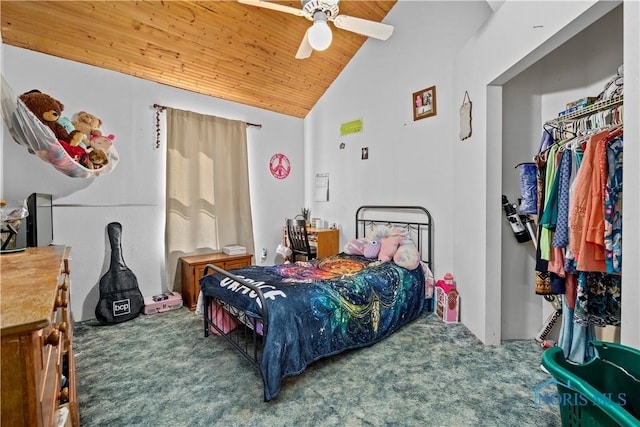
(320, 35)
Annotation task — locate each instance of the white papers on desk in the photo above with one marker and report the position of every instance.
(321, 188)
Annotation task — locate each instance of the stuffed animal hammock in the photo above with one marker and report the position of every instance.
(39, 139)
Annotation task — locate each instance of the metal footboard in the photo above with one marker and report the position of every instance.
(245, 332)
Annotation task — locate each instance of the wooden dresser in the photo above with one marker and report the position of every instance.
(193, 269)
(37, 337)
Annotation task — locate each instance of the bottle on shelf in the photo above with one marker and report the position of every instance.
(519, 230)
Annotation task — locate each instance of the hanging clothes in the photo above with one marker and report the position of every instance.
(542, 278)
(613, 208)
(561, 236)
(583, 214)
(598, 299)
(586, 222)
(550, 211)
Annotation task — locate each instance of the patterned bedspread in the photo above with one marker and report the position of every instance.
(322, 307)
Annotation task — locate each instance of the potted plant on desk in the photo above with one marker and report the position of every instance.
(305, 213)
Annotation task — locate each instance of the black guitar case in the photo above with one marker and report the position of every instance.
(120, 297)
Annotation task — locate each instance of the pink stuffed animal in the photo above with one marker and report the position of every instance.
(372, 249)
(101, 142)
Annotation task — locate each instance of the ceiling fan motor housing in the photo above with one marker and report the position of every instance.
(329, 7)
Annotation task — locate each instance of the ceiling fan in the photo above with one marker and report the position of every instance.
(318, 36)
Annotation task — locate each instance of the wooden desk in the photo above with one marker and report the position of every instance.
(327, 240)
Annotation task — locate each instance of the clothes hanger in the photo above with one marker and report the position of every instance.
(616, 130)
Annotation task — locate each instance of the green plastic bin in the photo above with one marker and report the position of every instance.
(604, 391)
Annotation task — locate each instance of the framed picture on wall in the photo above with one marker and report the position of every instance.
(424, 103)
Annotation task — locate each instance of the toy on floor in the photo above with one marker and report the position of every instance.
(447, 300)
(162, 302)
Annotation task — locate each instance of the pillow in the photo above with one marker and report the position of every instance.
(388, 247)
(356, 246)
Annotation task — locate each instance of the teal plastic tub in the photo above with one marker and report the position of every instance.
(605, 391)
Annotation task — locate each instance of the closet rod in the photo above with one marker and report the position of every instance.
(593, 108)
(164, 107)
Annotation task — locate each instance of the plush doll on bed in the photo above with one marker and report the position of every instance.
(395, 244)
(368, 248)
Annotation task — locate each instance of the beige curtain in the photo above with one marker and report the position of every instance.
(208, 204)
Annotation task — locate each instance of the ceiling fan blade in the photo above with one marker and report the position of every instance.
(305, 49)
(377, 30)
(273, 6)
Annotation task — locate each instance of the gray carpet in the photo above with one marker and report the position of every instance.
(160, 370)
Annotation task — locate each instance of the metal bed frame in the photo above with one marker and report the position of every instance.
(250, 334)
(419, 230)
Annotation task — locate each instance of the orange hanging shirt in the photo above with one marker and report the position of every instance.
(586, 221)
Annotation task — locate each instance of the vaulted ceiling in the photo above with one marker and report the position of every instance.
(224, 49)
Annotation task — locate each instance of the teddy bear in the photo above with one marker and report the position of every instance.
(88, 124)
(66, 123)
(96, 159)
(48, 110)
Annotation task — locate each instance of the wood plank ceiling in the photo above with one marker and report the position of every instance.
(223, 49)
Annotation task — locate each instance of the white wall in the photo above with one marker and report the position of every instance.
(515, 37)
(630, 327)
(133, 194)
(578, 68)
(410, 163)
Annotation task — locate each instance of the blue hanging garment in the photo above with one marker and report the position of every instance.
(528, 188)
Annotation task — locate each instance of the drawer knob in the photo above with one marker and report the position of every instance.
(54, 337)
(63, 326)
(60, 301)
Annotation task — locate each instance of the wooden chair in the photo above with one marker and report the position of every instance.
(299, 240)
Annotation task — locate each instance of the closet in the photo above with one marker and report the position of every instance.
(579, 239)
(579, 68)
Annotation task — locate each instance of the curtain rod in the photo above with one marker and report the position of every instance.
(163, 107)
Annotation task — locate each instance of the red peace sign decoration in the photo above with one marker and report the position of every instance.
(279, 166)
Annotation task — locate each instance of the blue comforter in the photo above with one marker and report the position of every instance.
(323, 307)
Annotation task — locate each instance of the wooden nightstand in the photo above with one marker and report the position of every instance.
(193, 269)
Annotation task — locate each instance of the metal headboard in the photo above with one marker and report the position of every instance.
(415, 219)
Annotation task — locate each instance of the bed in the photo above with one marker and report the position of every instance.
(281, 318)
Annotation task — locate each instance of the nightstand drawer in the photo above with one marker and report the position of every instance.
(230, 265)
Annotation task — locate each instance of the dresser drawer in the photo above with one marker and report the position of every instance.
(50, 389)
